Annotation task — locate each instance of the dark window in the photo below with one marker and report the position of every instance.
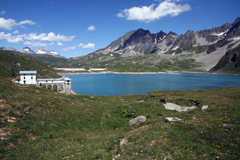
(31, 77)
(67, 83)
(46, 81)
(24, 78)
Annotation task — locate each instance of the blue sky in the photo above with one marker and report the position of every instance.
(77, 27)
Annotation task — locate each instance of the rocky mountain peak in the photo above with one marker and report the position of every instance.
(41, 51)
(27, 50)
(158, 37)
(236, 21)
(44, 51)
(141, 32)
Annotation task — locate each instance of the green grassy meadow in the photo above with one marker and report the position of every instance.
(38, 123)
(50, 125)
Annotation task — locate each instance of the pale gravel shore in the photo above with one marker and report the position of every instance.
(169, 72)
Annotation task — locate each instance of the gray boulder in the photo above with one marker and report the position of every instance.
(137, 121)
(205, 107)
(123, 142)
(172, 106)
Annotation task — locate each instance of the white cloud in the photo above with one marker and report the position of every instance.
(2, 12)
(10, 38)
(16, 32)
(69, 48)
(120, 15)
(151, 13)
(7, 23)
(89, 45)
(26, 22)
(35, 44)
(34, 39)
(91, 28)
(48, 37)
(23, 27)
(59, 43)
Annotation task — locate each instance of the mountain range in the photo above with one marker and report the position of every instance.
(216, 50)
(140, 42)
(27, 50)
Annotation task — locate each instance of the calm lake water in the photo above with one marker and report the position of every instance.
(122, 84)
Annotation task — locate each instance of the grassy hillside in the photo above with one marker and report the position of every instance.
(23, 63)
(48, 59)
(37, 123)
(48, 125)
(230, 63)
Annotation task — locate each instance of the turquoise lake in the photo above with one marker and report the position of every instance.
(123, 84)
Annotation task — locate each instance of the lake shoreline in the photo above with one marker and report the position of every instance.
(169, 72)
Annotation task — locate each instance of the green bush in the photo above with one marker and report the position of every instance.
(126, 113)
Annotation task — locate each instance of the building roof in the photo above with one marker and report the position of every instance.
(55, 79)
(67, 79)
(51, 79)
(27, 72)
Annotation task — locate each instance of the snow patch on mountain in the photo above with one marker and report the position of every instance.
(26, 50)
(44, 51)
(175, 48)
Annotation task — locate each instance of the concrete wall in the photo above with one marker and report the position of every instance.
(63, 86)
(97, 69)
(71, 69)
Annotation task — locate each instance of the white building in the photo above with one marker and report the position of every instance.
(28, 77)
(63, 85)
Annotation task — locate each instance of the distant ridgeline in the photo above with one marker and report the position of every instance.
(24, 63)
